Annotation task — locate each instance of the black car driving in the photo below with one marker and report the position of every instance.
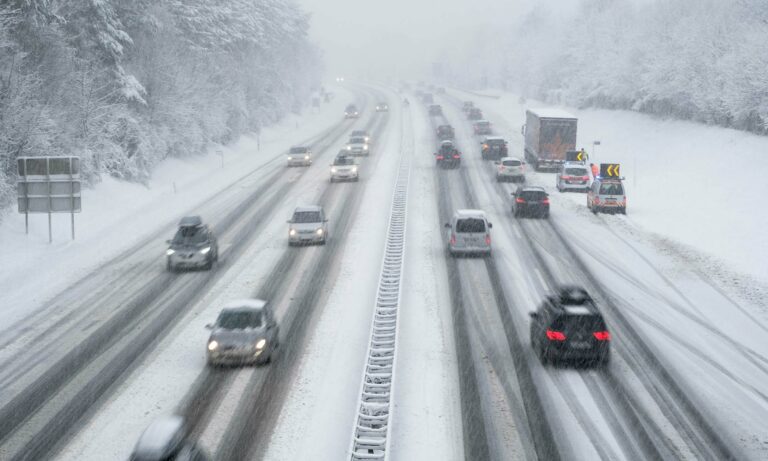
(447, 155)
(530, 201)
(568, 326)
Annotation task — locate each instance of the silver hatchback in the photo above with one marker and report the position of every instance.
(572, 176)
(308, 225)
(469, 233)
(244, 333)
(510, 169)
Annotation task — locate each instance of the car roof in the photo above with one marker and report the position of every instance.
(300, 147)
(160, 438)
(550, 112)
(575, 164)
(468, 213)
(303, 208)
(191, 221)
(532, 189)
(244, 304)
(492, 138)
(481, 121)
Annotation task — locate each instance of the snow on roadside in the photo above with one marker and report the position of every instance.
(118, 214)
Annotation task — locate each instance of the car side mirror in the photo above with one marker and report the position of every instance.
(490, 225)
(534, 315)
(513, 194)
(209, 326)
(447, 225)
(497, 163)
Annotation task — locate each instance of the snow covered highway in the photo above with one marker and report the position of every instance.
(86, 371)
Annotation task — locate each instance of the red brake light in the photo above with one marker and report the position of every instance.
(602, 335)
(546, 201)
(439, 157)
(456, 156)
(519, 200)
(565, 177)
(487, 239)
(556, 335)
(453, 239)
(585, 178)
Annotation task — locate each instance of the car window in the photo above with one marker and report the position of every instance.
(191, 235)
(358, 133)
(298, 150)
(511, 163)
(611, 188)
(240, 320)
(467, 225)
(344, 161)
(357, 141)
(582, 323)
(533, 195)
(576, 171)
(306, 216)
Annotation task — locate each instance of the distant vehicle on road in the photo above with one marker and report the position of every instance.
(351, 111)
(308, 225)
(467, 106)
(358, 146)
(361, 134)
(193, 246)
(493, 148)
(607, 196)
(440, 90)
(572, 176)
(481, 127)
(474, 114)
(244, 333)
(469, 233)
(166, 439)
(427, 98)
(447, 155)
(344, 168)
(299, 156)
(510, 169)
(435, 110)
(445, 132)
(530, 201)
(382, 107)
(568, 326)
(549, 134)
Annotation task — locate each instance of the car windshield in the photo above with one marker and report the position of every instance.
(512, 163)
(351, 108)
(468, 225)
(298, 150)
(344, 161)
(533, 195)
(306, 216)
(611, 188)
(576, 171)
(493, 142)
(359, 133)
(239, 320)
(484, 124)
(357, 141)
(190, 236)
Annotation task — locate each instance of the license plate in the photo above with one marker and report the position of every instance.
(579, 345)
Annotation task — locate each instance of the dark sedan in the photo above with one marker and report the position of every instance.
(530, 201)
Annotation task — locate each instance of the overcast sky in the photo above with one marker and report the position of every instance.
(398, 38)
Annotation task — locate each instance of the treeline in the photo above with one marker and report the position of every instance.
(127, 83)
(702, 60)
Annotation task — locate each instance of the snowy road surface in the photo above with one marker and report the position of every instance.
(111, 341)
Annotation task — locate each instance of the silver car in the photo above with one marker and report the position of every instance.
(358, 146)
(193, 246)
(308, 225)
(167, 438)
(361, 134)
(300, 156)
(572, 176)
(244, 333)
(344, 168)
(469, 232)
(510, 169)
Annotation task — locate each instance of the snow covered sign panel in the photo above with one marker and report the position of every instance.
(49, 185)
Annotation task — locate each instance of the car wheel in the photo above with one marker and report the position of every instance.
(169, 267)
(209, 265)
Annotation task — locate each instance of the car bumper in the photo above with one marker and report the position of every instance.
(238, 356)
(306, 238)
(574, 186)
(299, 162)
(340, 176)
(533, 211)
(449, 163)
(566, 353)
(196, 259)
(359, 152)
(464, 250)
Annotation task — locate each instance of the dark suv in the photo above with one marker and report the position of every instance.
(435, 109)
(474, 114)
(568, 326)
(531, 201)
(493, 148)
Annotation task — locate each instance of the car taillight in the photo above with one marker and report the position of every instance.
(597, 199)
(555, 335)
(585, 178)
(453, 239)
(487, 239)
(519, 200)
(439, 157)
(624, 201)
(456, 156)
(545, 201)
(565, 178)
(602, 335)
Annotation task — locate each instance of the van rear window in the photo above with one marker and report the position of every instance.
(468, 225)
(512, 163)
(611, 188)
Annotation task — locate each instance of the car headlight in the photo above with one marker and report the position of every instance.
(261, 343)
(170, 251)
(354, 169)
(292, 232)
(367, 139)
(319, 231)
(349, 147)
(290, 158)
(213, 345)
(365, 146)
(205, 250)
(333, 170)
(306, 157)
